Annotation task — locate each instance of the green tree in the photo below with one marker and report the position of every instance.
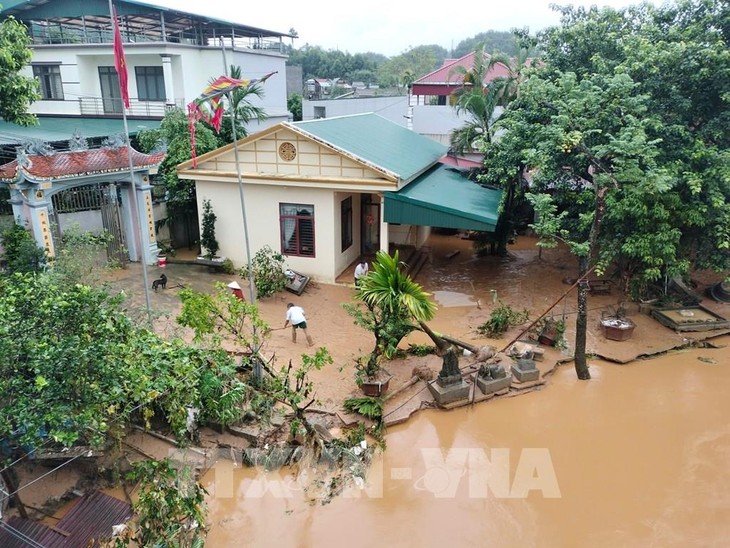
(21, 252)
(17, 92)
(244, 111)
(493, 40)
(175, 135)
(294, 105)
(76, 369)
(477, 100)
(389, 290)
(170, 507)
(618, 129)
(207, 238)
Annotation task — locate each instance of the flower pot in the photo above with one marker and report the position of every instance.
(549, 334)
(617, 329)
(376, 386)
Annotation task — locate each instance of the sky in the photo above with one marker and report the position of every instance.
(389, 27)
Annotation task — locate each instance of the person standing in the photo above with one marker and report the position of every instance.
(361, 270)
(295, 316)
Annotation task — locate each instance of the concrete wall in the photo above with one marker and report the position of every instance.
(192, 67)
(262, 208)
(394, 109)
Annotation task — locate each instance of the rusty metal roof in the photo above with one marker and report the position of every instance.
(91, 518)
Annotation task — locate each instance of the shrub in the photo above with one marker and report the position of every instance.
(367, 406)
(502, 318)
(22, 253)
(268, 271)
(207, 238)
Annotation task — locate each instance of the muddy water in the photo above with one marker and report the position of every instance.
(637, 456)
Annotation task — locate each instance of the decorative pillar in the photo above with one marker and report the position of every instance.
(167, 75)
(384, 237)
(20, 212)
(142, 245)
(40, 223)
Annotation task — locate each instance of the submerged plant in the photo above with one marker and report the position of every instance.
(501, 319)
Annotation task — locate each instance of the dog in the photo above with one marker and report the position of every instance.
(160, 282)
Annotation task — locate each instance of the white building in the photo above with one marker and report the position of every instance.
(171, 57)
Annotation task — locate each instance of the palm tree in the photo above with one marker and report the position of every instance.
(475, 99)
(243, 111)
(507, 88)
(391, 290)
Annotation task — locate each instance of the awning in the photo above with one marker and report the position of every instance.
(443, 197)
(62, 128)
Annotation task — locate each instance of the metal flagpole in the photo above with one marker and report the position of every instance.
(136, 208)
(251, 284)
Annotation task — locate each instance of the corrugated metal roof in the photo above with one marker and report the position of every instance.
(91, 518)
(377, 141)
(57, 128)
(444, 198)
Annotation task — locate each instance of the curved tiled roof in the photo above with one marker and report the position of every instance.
(62, 165)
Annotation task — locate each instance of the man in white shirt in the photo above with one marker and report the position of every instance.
(361, 270)
(295, 316)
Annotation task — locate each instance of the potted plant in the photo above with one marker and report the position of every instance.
(371, 377)
(615, 325)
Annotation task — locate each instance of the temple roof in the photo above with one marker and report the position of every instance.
(65, 165)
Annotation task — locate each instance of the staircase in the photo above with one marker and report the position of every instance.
(413, 258)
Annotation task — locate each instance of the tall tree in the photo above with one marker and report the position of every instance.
(244, 111)
(616, 128)
(391, 291)
(476, 99)
(17, 92)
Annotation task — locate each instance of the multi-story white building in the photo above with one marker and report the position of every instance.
(171, 56)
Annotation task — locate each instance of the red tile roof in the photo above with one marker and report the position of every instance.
(444, 80)
(63, 165)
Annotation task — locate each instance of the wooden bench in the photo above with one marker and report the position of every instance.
(599, 287)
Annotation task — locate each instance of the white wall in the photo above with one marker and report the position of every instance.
(193, 67)
(345, 258)
(394, 109)
(262, 208)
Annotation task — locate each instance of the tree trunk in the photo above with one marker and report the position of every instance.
(440, 343)
(581, 323)
(450, 370)
(503, 230)
(8, 476)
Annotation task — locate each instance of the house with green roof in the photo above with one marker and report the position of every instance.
(325, 192)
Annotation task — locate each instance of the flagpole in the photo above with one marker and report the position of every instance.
(251, 283)
(134, 199)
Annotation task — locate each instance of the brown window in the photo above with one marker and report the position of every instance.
(296, 222)
(346, 222)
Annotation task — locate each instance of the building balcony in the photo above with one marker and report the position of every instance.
(105, 107)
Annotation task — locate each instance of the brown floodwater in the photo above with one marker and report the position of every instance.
(637, 456)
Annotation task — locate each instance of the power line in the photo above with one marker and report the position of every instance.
(20, 535)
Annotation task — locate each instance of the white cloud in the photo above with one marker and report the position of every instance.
(385, 26)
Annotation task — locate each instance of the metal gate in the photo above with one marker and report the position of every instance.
(102, 198)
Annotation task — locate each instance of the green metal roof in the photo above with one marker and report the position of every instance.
(378, 141)
(62, 128)
(444, 198)
(68, 10)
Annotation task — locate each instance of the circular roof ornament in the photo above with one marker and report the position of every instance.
(287, 151)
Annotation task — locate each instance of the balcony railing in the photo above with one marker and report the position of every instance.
(61, 34)
(112, 106)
